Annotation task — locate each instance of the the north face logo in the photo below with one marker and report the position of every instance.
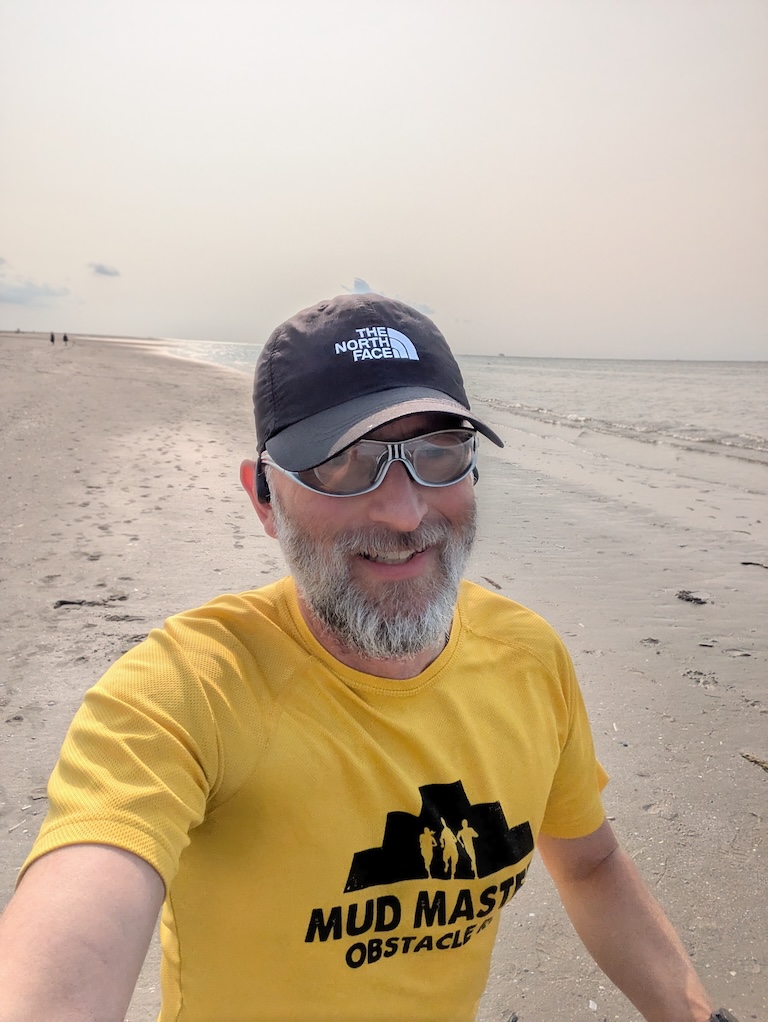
(377, 342)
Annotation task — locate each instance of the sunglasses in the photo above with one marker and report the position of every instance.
(435, 459)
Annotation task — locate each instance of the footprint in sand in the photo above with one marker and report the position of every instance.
(705, 679)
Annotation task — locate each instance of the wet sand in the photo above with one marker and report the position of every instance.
(121, 504)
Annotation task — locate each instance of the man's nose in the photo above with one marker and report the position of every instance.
(398, 501)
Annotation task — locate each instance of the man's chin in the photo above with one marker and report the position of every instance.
(411, 597)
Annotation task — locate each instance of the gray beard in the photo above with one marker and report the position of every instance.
(410, 616)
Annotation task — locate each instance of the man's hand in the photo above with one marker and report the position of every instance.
(623, 927)
(74, 936)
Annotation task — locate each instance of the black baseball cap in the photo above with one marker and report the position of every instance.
(334, 372)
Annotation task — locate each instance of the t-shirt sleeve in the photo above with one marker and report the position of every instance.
(574, 807)
(139, 761)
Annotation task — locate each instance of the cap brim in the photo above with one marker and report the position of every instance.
(313, 440)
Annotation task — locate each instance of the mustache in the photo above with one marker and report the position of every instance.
(384, 541)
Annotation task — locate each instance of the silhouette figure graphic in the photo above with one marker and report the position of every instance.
(427, 845)
(450, 849)
(466, 838)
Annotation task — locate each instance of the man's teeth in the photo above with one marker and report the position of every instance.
(392, 557)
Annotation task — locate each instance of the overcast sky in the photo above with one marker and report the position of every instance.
(544, 177)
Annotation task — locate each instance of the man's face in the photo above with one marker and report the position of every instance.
(379, 571)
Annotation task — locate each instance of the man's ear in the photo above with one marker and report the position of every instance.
(248, 474)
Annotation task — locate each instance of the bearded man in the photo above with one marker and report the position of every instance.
(266, 767)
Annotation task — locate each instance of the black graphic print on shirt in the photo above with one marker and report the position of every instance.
(450, 839)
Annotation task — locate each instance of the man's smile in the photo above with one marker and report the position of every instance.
(390, 556)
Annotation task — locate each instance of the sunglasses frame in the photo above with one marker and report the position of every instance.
(395, 452)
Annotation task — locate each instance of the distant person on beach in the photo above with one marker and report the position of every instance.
(53, 338)
(272, 768)
(65, 339)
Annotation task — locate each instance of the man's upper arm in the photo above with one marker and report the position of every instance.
(574, 858)
(74, 936)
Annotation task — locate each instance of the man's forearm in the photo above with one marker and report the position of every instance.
(73, 937)
(627, 933)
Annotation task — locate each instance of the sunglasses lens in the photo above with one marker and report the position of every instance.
(437, 459)
(352, 471)
(442, 458)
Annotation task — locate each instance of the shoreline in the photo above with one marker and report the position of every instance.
(533, 359)
(121, 492)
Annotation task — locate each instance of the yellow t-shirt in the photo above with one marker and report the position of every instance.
(335, 846)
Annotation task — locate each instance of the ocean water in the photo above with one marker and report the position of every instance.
(225, 353)
(715, 407)
(719, 408)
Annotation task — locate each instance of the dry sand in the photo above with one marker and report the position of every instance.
(121, 504)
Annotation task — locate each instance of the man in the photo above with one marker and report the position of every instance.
(266, 767)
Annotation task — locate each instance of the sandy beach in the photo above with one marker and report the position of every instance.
(121, 504)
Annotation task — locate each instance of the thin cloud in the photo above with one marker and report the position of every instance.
(427, 310)
(102, 270)
(362, 287)
(22, 291)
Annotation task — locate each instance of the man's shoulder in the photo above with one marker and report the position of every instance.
(226, 628)
(495, 618)
(234, 611)
(479, 603)
(218, 644)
